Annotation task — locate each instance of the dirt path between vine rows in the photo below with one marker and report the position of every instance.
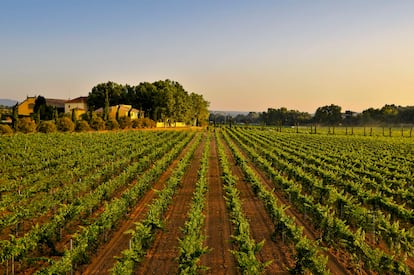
(218, 227)
(337, 263)
(261, 226)
(104, 259)
(161, 257)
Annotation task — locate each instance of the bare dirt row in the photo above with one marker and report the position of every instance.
(218, 226)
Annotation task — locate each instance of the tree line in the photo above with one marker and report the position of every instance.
(329, 115)
(163, 100)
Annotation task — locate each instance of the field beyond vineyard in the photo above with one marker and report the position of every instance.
(225, 201)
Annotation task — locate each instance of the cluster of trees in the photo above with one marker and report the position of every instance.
(326, 115)
(163, 100)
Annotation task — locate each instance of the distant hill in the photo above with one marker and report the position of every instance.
(7, 102)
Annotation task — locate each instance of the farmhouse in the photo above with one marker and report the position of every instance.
(26, 107)
(59, 104)
(122, 110)
(77, 105)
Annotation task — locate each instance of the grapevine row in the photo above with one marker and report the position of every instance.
(191, 245)
(334, 231)
(247, 247)
(143, 234)
(308, 254)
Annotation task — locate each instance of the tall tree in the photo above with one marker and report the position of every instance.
(116, 95)
(41, 110)
(106, 106)
(329, 114)
(15, 116)
(199, 110)
(389, 113)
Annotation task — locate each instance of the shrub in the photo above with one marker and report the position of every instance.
(125, 122)
(97, 123)
(5, 129)
(65, 124)
(46, 127)
(82, 126)
(112, 124)
(143, 123)
(26, 125)
(137, 123)
(148, 123)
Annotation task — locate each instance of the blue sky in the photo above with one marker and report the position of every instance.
(241, 55)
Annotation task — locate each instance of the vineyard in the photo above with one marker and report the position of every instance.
(229, 201)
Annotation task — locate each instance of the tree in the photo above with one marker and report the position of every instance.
(42, 110)
(406, 114)
(329, 114)
(106, 107)
(389, 113)
(113, 92)
(371, 116)
(199, 110)
(73, 115)
(283, 116)
(163, 100)
(15, 116)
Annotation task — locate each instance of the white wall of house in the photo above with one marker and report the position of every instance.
(69, 106)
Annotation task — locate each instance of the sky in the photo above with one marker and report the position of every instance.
(240, 55)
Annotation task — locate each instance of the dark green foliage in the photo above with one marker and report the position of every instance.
(283, 116)
(15, 116)
(43, 111)
(330, 115)
(165, 101)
